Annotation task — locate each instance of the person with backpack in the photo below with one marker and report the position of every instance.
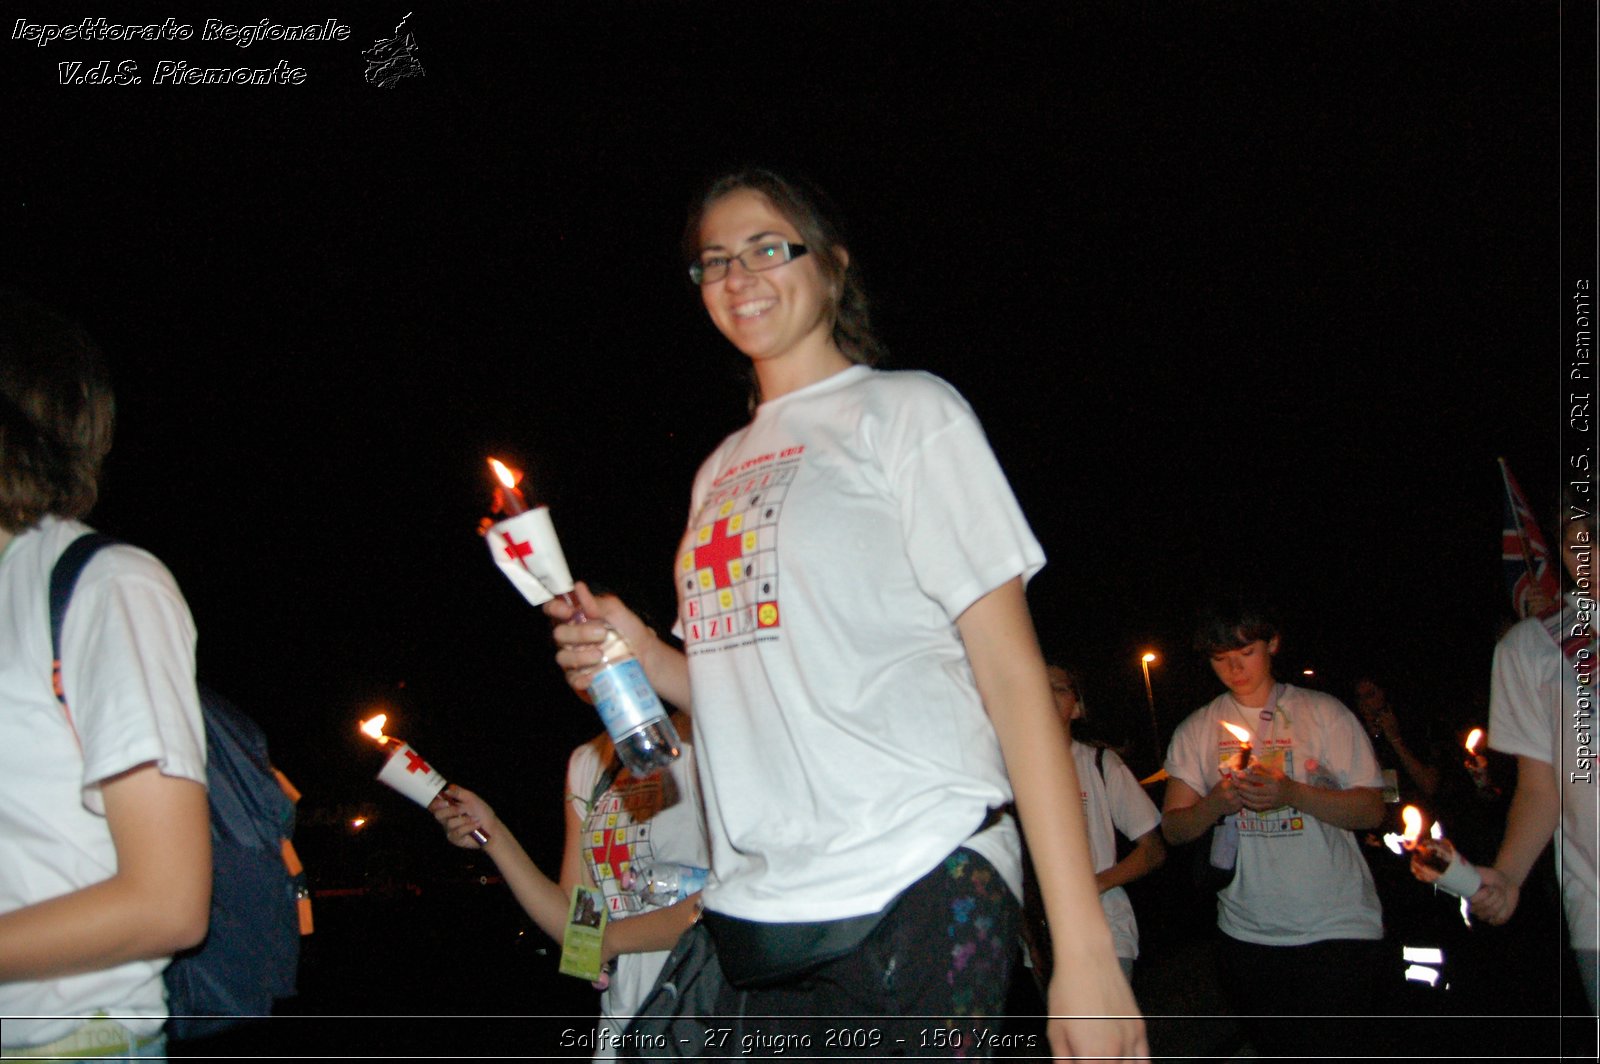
(105, 852)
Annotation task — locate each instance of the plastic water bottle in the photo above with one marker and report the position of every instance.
(634, 715)
(663, 884)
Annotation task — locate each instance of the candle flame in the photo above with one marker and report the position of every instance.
(373, 726)
(1474, 737)
(1238, 733)
(1412, 817)
(506, 475)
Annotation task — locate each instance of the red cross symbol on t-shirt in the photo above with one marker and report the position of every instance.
(716, 554)
(415, 762)
(612, 850)
(517, 551)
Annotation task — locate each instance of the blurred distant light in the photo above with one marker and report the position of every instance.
(1148, 657)
(358, 823)
(1308, 672)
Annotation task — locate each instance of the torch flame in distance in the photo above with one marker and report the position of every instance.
(1474, 737)
(504, 473)
(1238, 733)
(373, 726)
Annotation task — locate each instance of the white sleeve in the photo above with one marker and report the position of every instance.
(128, 670)
(1132, 811)
(1357, 763)
(1187, 759)
(1518, 717)
(964, 531)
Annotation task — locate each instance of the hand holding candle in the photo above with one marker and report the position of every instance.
(407, 772)
(525, 548)
(1433, 858)
(463, 815)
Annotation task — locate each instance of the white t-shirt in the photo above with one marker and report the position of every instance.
(1537, 709)
(653, 821)
(128, 672)
(1299, 880)
(831, 545)
(1114, 803)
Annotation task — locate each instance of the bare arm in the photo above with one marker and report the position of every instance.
(157, 902)
(1149, 853)
(655, 930)
(1087, 983)
(544, 900)
(1355, 808)
(579, 653)
(1426, 775)
(1185, 815)
(1530, 822)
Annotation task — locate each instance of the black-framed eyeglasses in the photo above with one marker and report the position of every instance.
(768, 255)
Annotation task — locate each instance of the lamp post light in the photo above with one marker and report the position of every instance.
(1145, 661)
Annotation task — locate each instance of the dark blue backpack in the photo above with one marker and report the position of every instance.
(258, 900)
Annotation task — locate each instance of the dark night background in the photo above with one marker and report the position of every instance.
(1245, 294)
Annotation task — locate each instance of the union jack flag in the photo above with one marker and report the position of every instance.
(1527, 561)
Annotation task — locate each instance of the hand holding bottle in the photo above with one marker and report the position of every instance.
(611, 676)
(579, 642)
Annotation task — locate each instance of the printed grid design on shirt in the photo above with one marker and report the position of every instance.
(1270, 753)
(729, 573)
(618, 836)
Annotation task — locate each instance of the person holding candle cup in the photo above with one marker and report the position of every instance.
(1302, 910)
(105, 837)
(1541, 707)
(614, 821)
(866, 682)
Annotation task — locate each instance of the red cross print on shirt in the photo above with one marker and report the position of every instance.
(716, 554)
(612, 850)
(517, 551)
(414, 763)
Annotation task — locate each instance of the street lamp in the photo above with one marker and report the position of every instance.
(1145, 661)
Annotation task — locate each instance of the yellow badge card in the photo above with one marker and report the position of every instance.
(586, 924)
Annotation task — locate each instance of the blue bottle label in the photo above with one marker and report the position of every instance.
(691, 879)
(624, 698)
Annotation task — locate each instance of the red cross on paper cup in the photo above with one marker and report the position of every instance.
(527, 551)
(408, 773)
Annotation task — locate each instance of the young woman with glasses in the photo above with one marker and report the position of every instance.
(867, 687)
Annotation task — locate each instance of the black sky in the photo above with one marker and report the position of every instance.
(1244, 293)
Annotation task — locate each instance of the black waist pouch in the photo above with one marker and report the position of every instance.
(757, 954)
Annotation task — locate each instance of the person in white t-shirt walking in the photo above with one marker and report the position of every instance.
(1301, 914)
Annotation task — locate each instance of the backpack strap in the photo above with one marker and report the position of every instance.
(63, 578)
